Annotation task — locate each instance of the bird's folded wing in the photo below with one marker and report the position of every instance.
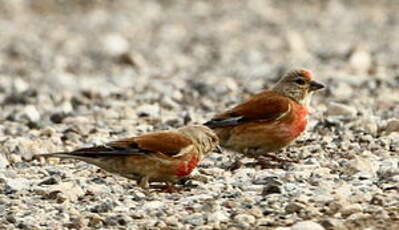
(265, 106)
(169, 143)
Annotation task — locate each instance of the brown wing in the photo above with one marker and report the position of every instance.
(265, 106)
(167, 142)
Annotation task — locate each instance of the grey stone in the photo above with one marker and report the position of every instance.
(392, 126)
(196, 219)
(333, 224)
(16, 184)
(244, 220)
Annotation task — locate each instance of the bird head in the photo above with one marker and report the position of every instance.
(298, 84)
(203, 137)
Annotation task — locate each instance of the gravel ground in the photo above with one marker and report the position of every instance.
(84, 72)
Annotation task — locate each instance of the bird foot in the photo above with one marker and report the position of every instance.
(264, 164)
(166, 188)
(265, 160)
(277, 159)
(235, 165)
(200, 178)
(270, 161)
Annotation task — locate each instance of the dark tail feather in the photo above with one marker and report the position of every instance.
(209, 124)
(216, 123)
(89, 154)
(57, 155)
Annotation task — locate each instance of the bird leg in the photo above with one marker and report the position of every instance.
(267, 160)
(187, 181)
(168, 188)
(235, 165)
(143, 182)
(264, 163)
(277, 159)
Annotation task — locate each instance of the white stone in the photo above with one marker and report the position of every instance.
(219, 216)
(153, 205)
(30, 112)
(245, 220)
(17, 183)
(20, 85)
(3, 161)
(172, 220)
(307, 225)
(13, 158)
(69, 189)
(148, 110)
(343, 90)
(296, 43)
(115, 44)
(196, 198)
(364, 165)
(369, 125)
(336, 109)
(350, 209)
(360, 60)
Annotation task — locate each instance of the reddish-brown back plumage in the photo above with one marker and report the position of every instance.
(264, 106)
(166, 142)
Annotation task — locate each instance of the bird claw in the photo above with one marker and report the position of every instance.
(236, 165)
(276, 159)
(200, 178)
(269, 161)
(264, 164)
(166, 188)
(262, 161)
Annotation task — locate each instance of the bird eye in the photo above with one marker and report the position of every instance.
(300, 81)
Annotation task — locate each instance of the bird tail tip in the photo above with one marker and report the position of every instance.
(53, 155)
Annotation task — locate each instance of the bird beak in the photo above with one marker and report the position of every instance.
(314, 86)
(218, 149)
